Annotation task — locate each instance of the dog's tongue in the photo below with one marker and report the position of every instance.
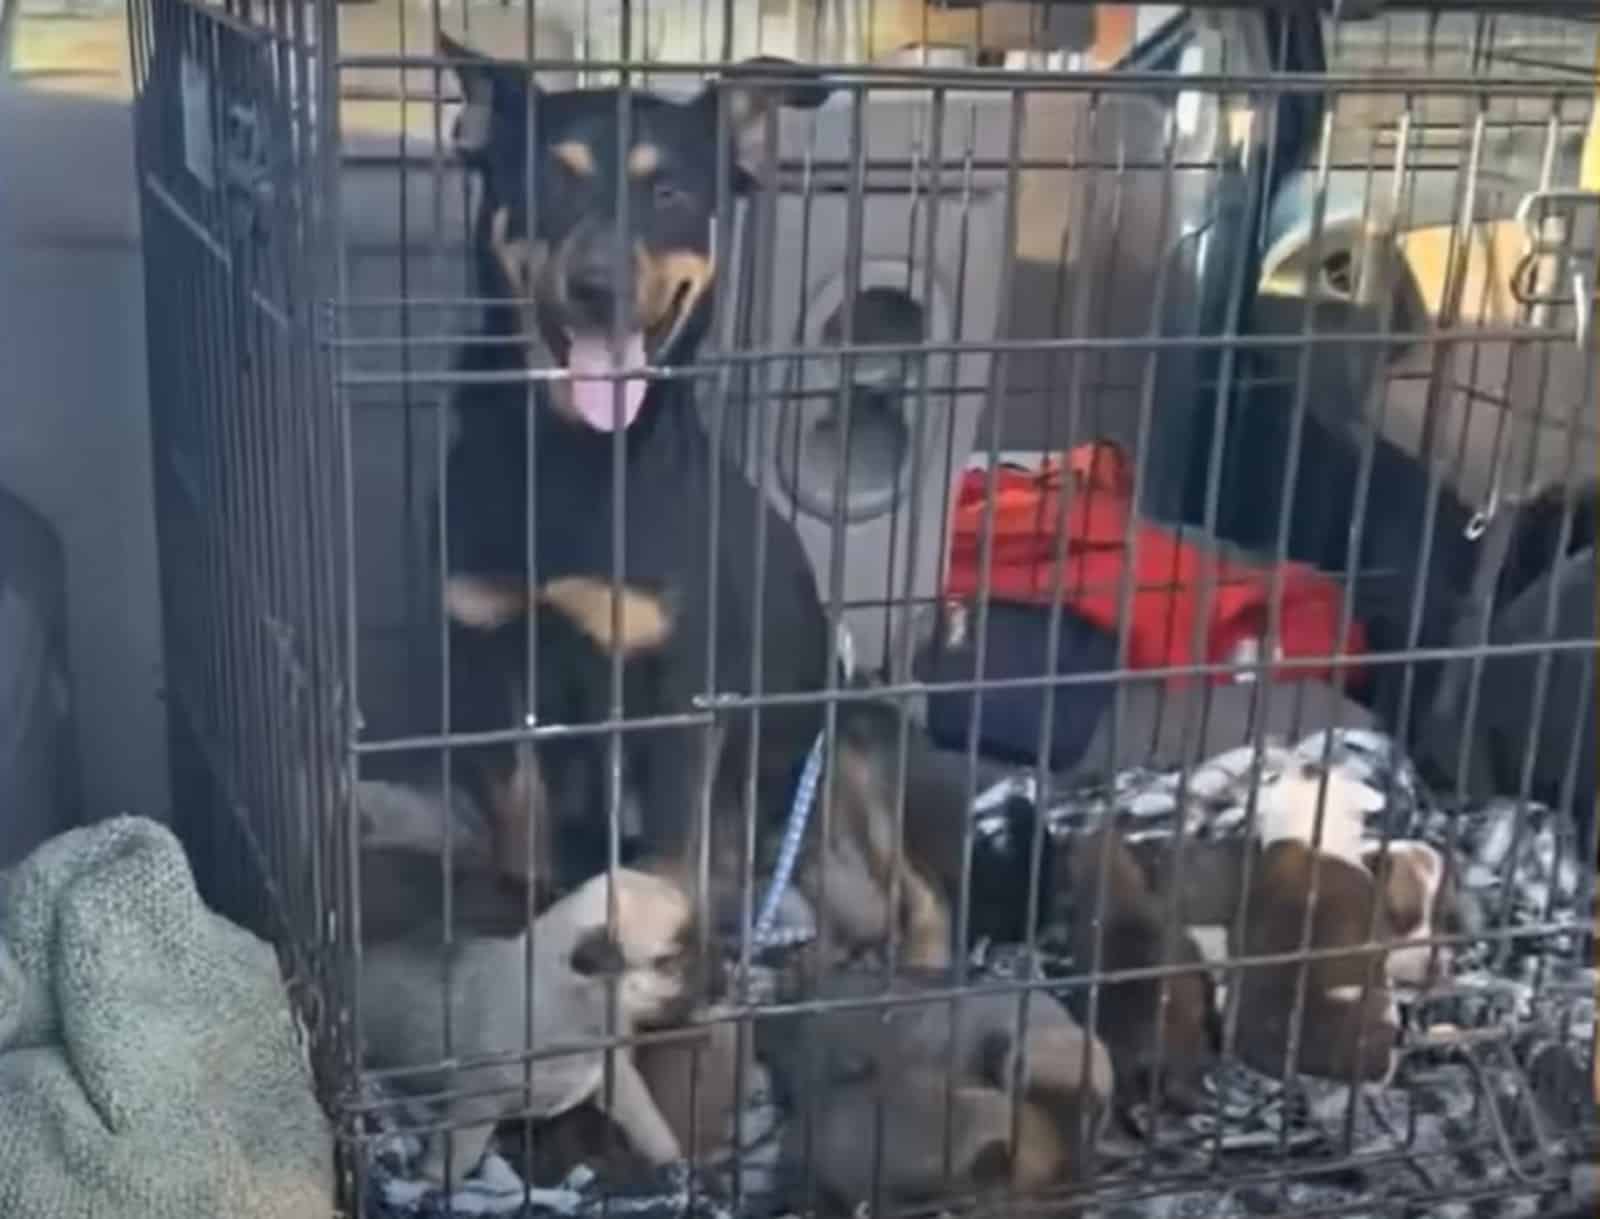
(593, 393)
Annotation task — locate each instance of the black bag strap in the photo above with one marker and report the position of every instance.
(1472, 623)
(1442, 722)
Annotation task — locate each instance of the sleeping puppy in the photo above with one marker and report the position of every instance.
(574, 964)
(1350, 1024)
(1287, 810)
(1419, 884)
(907, 1161)
(1171, 1046)
(840, 1064)
(1208, 874)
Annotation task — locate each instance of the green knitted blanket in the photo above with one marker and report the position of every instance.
(149, 1064)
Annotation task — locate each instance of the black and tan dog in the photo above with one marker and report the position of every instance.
(703, 555)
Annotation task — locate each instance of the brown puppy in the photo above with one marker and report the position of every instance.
(693, 1081)
(1169, 1045)
(878, 874)
(1350, 1024)
(1208, 875)
(840, 1064)
(696, 1084)
(870, 888)
(907, 1160)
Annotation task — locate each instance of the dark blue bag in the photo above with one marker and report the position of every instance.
(1017, 646)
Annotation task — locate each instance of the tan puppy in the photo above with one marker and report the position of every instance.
(842, 1064)
(574, 962)
(1169, 1046)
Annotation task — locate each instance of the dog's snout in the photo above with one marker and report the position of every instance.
(591, 282)
(591, 290)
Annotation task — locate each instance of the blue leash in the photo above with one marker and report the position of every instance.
(764, 934)
(805, 795)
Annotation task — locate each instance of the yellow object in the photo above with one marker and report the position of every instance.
(1492, 251)
(66, 53)
(1589, 173)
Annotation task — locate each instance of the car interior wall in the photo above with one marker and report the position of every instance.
(74, 431)
(396, 425)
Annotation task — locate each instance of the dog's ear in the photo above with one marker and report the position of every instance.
(596, 955)
(751, 92)
(490, 90)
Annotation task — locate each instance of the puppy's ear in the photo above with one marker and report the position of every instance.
(491, 90)
(750, 100)
(596, 955)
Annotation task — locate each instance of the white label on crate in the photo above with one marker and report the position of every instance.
(199, 151)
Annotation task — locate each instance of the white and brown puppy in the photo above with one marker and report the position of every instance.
(1349, 1023)
(1287, 810)
(1416, 881)
(1167, 1045)
(1420, 885)
(1422, 898)
(650, 961)
(916, 1065)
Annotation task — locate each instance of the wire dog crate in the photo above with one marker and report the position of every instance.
(1169, 405)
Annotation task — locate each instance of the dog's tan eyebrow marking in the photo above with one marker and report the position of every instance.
(643, 160)
(576, 156)
(645, 623)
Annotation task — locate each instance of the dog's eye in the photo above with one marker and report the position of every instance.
(666, 961)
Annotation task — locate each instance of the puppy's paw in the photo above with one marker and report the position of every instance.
(690, 1193)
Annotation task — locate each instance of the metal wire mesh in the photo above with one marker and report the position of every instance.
(1326, 287)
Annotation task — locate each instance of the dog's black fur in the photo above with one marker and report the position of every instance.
(562, 249)
(549, 270)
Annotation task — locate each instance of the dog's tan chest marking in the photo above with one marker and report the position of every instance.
(482, 602)
(643, 624)
(643, 160)
(576, 156)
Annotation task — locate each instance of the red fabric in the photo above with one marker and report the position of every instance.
(1167, 576)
